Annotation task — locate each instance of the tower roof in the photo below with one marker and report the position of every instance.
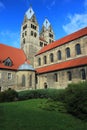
(29, 13)
(46, 23)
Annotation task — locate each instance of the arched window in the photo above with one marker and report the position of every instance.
(30, 80)
(9, 76)
(23, 80)
(83, 74)
(24, 40)
(35, 34)
(25, 33)
(36, 79)
(56, 77)
(69, 74)
(45, 60)
(51, 57)
(67, 52)
(31, 33)
(78, 49)
(59, 55)
(39, 61)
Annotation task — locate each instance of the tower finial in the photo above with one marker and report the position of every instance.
(46, 23)
(30, 5)
(29, 13)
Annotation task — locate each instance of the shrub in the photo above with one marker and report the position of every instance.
(42, 93)
(76, 99)
(8, 95)
(1, 96)
(57, 94)
(52, 105)
(31, 94)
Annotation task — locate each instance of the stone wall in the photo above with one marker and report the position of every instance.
(5, 80)
(62, 81)
(15, 82)
(29, 80)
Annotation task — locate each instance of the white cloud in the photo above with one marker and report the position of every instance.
(51, 5)
(2, 6)
(10, 38)
(76, 21)
(85, 3)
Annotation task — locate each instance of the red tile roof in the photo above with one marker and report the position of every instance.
(17, 56)
(64, 40)
(63, 65)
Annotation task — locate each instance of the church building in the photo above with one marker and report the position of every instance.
(43, 62)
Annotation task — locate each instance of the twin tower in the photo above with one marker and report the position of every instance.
(31, 39)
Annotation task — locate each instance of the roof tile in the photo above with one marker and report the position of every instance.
(16, 55)
(64, 40)
(63, 65)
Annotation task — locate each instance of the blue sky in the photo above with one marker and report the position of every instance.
(65, 16)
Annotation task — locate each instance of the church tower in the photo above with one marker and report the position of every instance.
(47, 32)
(30, 35)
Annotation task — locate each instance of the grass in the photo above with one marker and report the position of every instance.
(26, 115)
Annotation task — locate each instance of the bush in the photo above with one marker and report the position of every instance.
(52, 105)
(76, 99)
(57, 94)
(42, 93)
(8, 95)
(31, 94)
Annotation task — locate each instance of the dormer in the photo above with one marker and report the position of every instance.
(8, 62)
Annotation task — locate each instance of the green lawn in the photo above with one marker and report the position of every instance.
(26, 115)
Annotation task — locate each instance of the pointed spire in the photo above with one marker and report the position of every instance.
(29, 13)
(46, 23)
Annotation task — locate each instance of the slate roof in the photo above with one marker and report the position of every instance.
(26, 66)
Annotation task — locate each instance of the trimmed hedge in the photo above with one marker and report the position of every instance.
(76, 99)
(42, 93)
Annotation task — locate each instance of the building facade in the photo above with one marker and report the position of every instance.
(15, 70)
(43, 62)
(63, 61)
